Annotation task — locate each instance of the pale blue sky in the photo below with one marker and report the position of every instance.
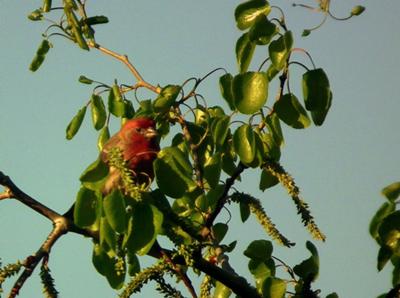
(340, 167)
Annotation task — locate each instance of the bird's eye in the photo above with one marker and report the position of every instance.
(138, 129)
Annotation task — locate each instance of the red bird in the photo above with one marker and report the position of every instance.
(138, 142)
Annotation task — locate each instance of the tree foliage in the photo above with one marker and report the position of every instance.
(211, 148)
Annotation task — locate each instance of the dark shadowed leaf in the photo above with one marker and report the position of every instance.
(383, 211)
(290, 111)
(262, 31)
(309, 268)
(259, 250)
(267, 180)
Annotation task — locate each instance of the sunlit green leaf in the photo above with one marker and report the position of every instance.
(261, 270)
(392, 191)
(166, 98)
(115, 211)
(36, 15)
(85, 80)
(274, 127)
(116, 105)
(225, 85)
(247, 12)
(46, 5)
(290, 111)
(221, 291)
(75, 123)
(212, 170)
(250, 91)
(98, 110)
(86, 207)
(96, 171)
(219, 130)
(104, 136)
(274, 288)
(279, 50)
(244, 52)
(244, 143)
(357, 10)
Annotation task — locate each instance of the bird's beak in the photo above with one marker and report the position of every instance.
(150, 133)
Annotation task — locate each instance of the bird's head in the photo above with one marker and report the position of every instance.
(139, 127)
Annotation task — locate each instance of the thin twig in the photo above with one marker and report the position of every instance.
(124, 59)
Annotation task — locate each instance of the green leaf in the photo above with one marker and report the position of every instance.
(98, 109)
(332, 295)
(279, 50)
(306, 32)
(262, 31)
(272, 150)
(115, 211)
(85, 80)
(274, 127)
(259, 155)
(261, 270)
(221, 291)
(96, 20)
(244, 52)
(392, 191)
(259, 250)
(212, 170)
(384, 255)
(220, 129)
(101, 260)
(94, 173)
(108, 238)
(46, 5)
(206, 203)
(75, 123)
(267, 180)
(173, 165)
(272, 72)
(219, 231)
(244, 211)
(357, 10)
(144, 226)
(290, 111)
(250, 91)
(244, 143)
(41, 52)
(116, 105)
(318, 116)
(104, 136)
(389, 232)
(316, 90)
(274, 288)
(309, 268)
(129, 111)
(383, 211)
(166, 98)
(225, 85)
(36, 15)
(247, 12)
(86, 207)
(133, 264)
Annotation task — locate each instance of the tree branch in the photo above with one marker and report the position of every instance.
(124, 59)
